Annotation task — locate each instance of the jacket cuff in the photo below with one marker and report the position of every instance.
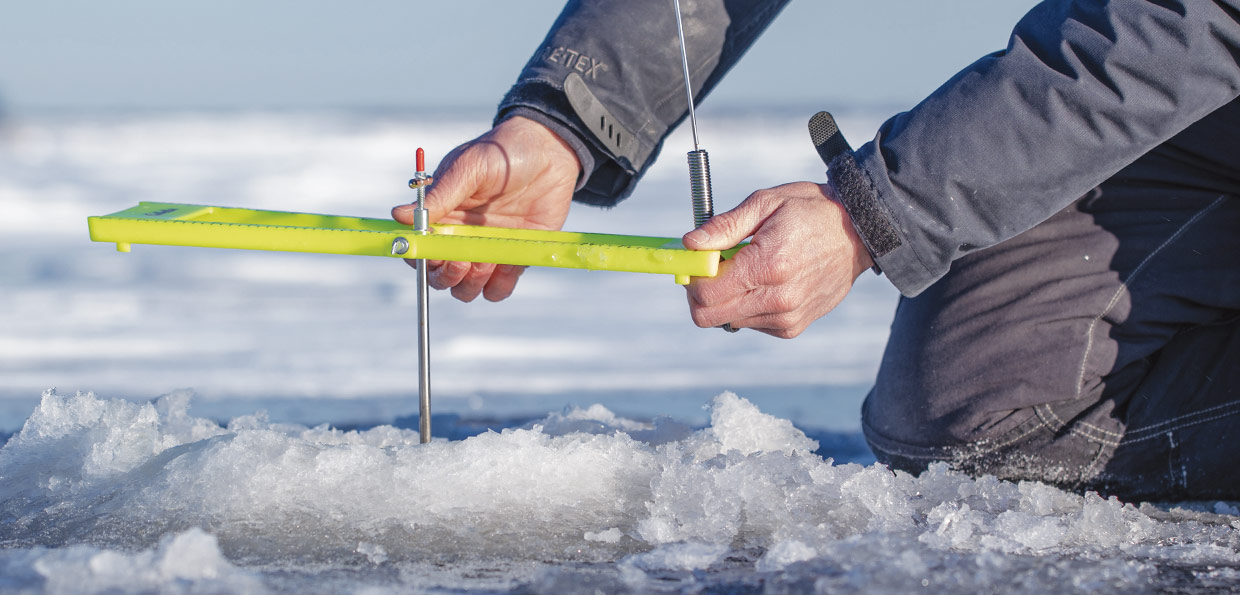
(604, 180)
(879, 230)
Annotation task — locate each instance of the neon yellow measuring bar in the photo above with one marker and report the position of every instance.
(170, 224)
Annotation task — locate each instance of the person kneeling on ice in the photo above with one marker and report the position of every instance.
(1062, 218)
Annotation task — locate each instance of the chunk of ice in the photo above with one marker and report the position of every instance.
(679, 556)
(188, 562)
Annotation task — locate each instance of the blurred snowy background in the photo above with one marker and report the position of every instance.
(282, 458)
(297, 330)
(316, 106)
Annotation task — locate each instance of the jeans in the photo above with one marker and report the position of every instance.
(1099, 350)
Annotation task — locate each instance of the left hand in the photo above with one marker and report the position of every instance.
(518, 174)
(803, 259)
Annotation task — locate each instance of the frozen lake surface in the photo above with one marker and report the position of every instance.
(110, 495)
(589, 436)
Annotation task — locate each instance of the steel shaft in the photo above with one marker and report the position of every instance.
(684, 62)
(424, 357)
(421, 226)
(699, 160)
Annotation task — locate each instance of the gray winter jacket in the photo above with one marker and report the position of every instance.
(1084, 88)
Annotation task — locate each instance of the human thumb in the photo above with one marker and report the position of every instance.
(726, 230)
(454, 181)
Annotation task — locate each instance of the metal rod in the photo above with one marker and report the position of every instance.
(424, 358)
(422, 226)
(684, 62)
(699, 161)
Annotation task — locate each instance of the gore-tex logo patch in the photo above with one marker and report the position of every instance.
(574, 60)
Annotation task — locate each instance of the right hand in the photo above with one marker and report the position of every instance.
(803, 259)
(519, 174)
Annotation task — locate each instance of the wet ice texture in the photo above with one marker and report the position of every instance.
(188, 562)
(141, 496)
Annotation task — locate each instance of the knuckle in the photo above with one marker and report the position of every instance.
(699, 317)
(463, 294)
(787, 333)
(785, 322)
(762, 195)
(497, 294)
(779, 270)
(703, 295)
(783, 304)
(731, 225)
(508, 270)
(452, 273)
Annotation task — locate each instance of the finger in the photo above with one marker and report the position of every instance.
(777, 302)
(726, 230)
(457, 179)
(469, 287)
(735, 279)
(715, 314)
(447, 275)
(431, 265)
(403, 214)
(503, 282)
(784, 326)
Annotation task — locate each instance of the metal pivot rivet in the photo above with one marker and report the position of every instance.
(400, 246)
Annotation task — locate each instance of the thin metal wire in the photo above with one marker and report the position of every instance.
(699, 161)
(684, 62)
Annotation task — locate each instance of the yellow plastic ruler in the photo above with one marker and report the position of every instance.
(172, 224)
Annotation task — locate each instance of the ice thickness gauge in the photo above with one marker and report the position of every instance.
(173, 224)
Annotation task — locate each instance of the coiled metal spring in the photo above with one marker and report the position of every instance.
(699, 187)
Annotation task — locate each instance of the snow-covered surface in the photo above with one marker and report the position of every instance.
(574, 452)
(110, 495)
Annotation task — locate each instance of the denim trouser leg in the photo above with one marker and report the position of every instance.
(1098, 350)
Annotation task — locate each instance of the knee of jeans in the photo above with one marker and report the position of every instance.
(927, 420)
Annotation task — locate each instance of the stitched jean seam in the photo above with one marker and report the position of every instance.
(1080, 428)
(1051, 411)
(1165, 431)
(1123, 288)
(1159, 427)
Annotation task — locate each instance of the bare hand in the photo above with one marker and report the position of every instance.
(801, 262)
(519, 174)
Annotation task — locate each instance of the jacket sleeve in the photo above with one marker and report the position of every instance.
(608, 79)
(1084, 88)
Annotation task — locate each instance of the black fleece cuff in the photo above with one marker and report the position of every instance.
(857, 194)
